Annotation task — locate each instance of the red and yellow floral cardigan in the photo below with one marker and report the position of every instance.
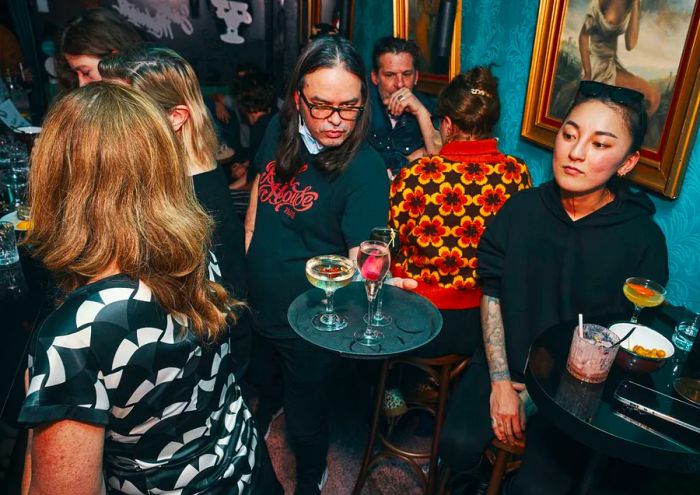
(441, 205)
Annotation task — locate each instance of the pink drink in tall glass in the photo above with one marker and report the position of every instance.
(590, 357)
(374, 263)
(373, 260)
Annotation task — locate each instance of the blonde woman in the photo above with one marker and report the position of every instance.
(130, 386)
(166, 77)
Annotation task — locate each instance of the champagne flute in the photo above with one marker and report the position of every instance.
(391, 237)
(329, 273)
(643, 293)
(373, 261)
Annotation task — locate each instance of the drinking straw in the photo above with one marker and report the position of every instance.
(580, 325)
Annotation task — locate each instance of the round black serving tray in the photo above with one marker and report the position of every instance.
(416, 321)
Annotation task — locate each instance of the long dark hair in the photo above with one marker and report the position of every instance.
(322, 53)
(98, 32)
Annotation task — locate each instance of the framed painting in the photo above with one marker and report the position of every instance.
(418, 20)
(650, 46)
(331, 16)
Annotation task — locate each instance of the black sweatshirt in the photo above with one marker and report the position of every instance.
(546, 268)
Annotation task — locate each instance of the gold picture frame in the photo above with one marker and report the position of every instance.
(666, 153)
(406, 11)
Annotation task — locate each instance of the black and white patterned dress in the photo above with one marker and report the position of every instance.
(174, 418)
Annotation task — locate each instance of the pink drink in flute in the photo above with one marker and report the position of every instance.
(373, 260)
(590, 357)
(375, 265)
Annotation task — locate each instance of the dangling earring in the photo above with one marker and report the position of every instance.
(448, 131)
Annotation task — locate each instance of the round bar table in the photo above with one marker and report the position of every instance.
(588, 414)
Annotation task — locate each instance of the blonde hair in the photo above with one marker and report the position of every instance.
(170, 80)
(108, 186)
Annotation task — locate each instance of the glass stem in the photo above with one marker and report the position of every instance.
(378, 306)
(370, 314)
(329, 302)
(635, 315)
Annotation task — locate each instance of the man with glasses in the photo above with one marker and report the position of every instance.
(319, 189)
(402, 129)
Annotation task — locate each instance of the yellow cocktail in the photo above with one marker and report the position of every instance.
(643, 293)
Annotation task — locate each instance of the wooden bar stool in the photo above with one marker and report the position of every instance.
(500, 455)
(442, 370)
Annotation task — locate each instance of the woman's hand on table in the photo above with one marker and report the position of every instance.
(507, 411)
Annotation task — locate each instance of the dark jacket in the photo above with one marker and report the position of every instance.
(546, 268)
(395, 144)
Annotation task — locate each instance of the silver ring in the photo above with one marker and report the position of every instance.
(400, 97)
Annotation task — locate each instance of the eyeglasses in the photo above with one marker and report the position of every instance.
(325, 111)
(617, 94)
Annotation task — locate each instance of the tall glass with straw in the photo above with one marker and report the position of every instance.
(373, 261)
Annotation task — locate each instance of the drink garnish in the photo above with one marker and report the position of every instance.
(641, 290)
(372, 268)
(331, 271)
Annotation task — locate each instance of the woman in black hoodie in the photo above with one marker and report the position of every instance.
(563, 248)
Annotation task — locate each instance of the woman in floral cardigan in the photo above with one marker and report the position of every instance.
(441, 204)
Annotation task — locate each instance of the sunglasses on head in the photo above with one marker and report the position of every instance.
(617, 94)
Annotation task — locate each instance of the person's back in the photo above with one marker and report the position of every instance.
(130, 382)
(441, 204)
(171, 81)
(168, 403)
(444, 202)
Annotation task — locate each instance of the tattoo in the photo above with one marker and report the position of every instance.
(494, 338)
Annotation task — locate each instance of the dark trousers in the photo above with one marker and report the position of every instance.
(305, 372)
(467, 429)
(546, 467)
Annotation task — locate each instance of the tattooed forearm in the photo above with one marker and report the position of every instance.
(494, 338)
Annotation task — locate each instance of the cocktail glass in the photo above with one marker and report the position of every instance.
(391, 237)
(591, 356)
(329, 273)
(373, 261)
(643, 293)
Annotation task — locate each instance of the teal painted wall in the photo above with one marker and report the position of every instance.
(495, 32)
(373, 19)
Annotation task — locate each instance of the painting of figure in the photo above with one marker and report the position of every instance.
(636, 44)
(422, 22)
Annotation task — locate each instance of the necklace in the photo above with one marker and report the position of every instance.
(607, 198)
